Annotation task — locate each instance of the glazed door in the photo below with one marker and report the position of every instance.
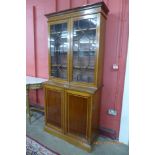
(78, 114)
(54, 103)
(58, 50)
(84, 48)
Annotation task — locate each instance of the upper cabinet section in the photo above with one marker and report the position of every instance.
(76, 45)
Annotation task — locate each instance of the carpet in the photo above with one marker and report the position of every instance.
(35, 148)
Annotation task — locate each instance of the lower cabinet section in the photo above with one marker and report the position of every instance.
(69, 115)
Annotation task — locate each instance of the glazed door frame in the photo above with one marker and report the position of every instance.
(49, 51)
(88, 97)
(61, 91)
(94, 84)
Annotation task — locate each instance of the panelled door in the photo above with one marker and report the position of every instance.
(78, 114)
(54, 108)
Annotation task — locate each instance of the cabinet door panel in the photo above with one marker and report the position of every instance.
(77, 115)
(54, 101)
(84, 48)
(58, 46)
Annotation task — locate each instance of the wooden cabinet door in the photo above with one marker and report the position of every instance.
(78, 114)
(54, 102)
(58, 50)
(84, 48)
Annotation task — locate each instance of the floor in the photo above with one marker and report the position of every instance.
(103, 146)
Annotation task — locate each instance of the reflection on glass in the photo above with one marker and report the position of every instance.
(58, 50)
(84, 49)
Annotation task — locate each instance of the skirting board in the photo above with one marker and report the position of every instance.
(105, 132)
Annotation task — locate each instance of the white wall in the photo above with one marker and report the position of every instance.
(124, 127)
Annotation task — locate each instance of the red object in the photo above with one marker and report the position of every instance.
(115, 51)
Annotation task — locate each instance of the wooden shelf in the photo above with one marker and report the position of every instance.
(83, 67)
(74, 67)
(59, 65)
(84, 29)
(84, 51)
(59, 32)
(65, 52)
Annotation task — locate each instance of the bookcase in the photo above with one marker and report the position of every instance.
(76, 58)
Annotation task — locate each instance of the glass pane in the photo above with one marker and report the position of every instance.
(84, 49)
(58, 50)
